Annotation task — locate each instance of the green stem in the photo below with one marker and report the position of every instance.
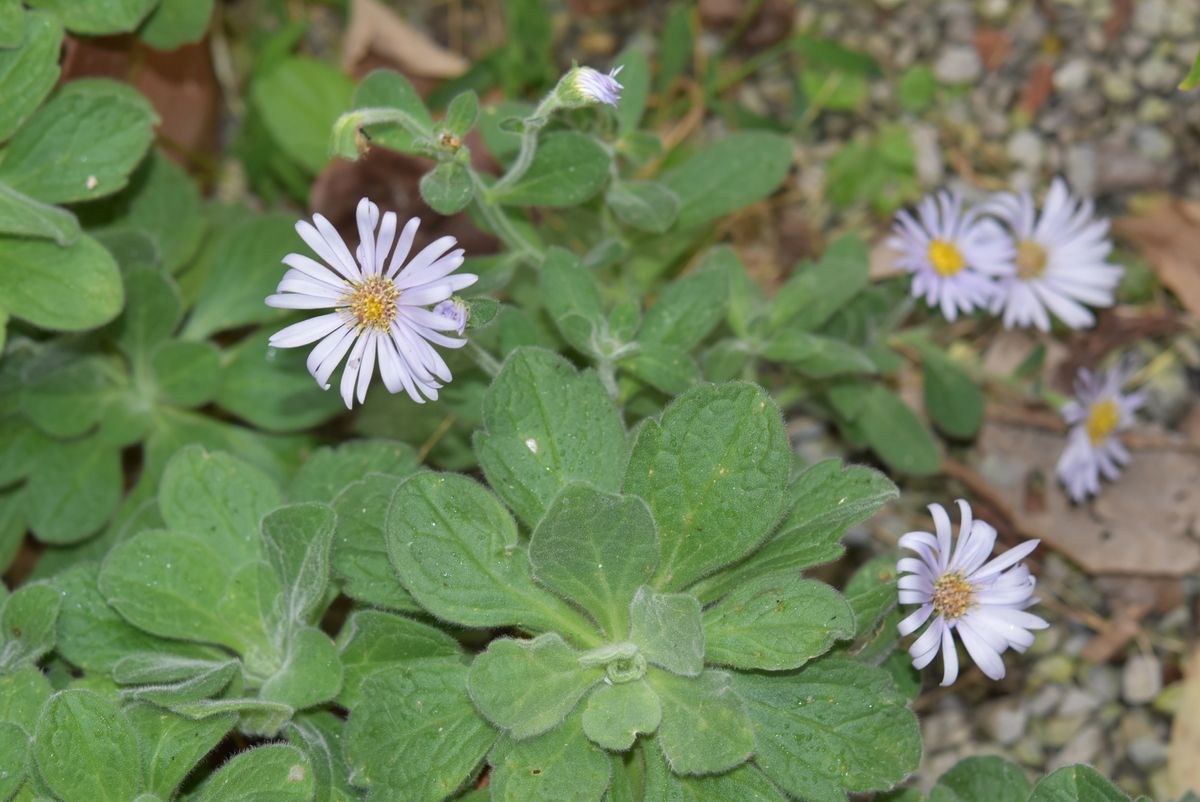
(486, 362)
(501, 226)
(534, 124)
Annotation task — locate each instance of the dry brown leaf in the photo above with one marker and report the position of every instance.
(179, 83)
(1038, 88)
(1183, 770)
(883, 261)
(376, 29)
(1168, 235)
(1144, 523)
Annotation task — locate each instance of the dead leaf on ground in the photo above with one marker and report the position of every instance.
(1183, 770)
(1168, 235)
(1037, 88)
(376, 30)
(993, 46)
(1115, 329)
(180, 84)
(882, 260)
(1147, 522)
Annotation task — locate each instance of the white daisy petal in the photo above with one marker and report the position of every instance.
(306, 331)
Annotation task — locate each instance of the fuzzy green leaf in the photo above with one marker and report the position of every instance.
(573, 300)
(687, 310)
(832, 727)
(728, 175)
(1078, 783)
(86, 750)
(298, 539)
(816, 292)
(596, 549)
(22, 694)
(176, 22)
(277, 772)
(744, 784)
(390, 89)
(528, 687)
(663, 367)
(243, 269)
(668, 631)
(817, 357)
(329, 470)
(635, 88)
(69, 289)
(97, 16)
(14, 751)
(825, 500)
(558, 765)
(952, 398)
(896, 433)
(72, 490)
(547, 426)
(218, 498)
(161, 202)
(311, 673)
(982, 779)
(29, 70)
(27, 619)
(447, 188)
(271, 388)
(455, 548)
(372, 640)
(360, 556)
(705, 728)
(616, 714)
(171, 745)
(416, 735)
(82, 144)
(712, 470)
(568, 169)
(177, 585)
(23, 216)
(187, 373)
(300, 99)
(776, 622)
(644, 205)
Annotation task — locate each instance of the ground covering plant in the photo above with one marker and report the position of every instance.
(567, 555)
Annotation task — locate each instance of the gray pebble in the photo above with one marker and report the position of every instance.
(1141, 679)
(958, 64)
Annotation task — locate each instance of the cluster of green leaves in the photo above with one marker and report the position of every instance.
(674, 648)
(64, 148)
(71, 406)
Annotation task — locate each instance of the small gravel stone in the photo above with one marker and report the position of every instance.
(1104, 682)
(1029, 751)
(1083, 748)
(1150, 17)
(1153, 109)
(1170, 699)
(1156, 72)
(1117, 88)
(1045, 700)
(1056, 668)
(929, 162)
(1077, 701)
(1081, 168)
(1026, 148)
(958, 64)
(1147, 752)
(1141, 680)
(1059, 730)
(1005, 722)
(946, 729)
(1072, 76)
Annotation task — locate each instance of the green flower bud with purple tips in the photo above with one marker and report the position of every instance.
(584, 86)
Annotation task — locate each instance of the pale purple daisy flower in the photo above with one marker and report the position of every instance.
(1100, 410)
(955, 256)
(596, 86)
(380, 310)
(984, 601)
(1060, 260)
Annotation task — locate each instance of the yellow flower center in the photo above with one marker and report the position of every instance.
(953, 595)
(1031, 259)
(1102, 420)
(946, 258)
(373, 303)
